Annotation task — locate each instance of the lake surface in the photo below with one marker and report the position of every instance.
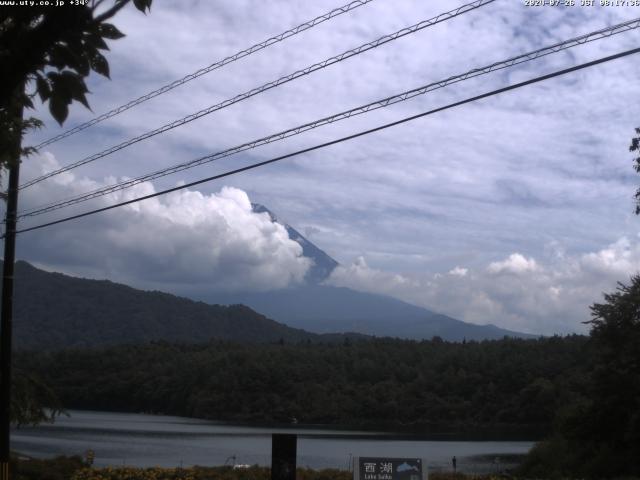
(154, 440)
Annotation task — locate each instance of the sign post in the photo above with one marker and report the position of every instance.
(283, 456)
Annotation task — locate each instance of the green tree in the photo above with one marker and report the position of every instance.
(614, 416)
(598, 434)
(32, 400)
(45, 51)
(635, 147)
(49, 51)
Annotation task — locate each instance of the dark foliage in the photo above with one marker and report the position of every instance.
(610, 434)
(510, 384)
(598, 435)
(57, 311)
(635, 147)
(72, 468)
(56, 48)
(59, 468)
(48, 51)
(54, 311)
(32, 400)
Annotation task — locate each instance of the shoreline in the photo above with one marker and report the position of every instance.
(379, 431)
(145, 441)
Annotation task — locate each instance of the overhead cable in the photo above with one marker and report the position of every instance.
(557, 47)
(339, 140)
(214, 66)
(267, 86)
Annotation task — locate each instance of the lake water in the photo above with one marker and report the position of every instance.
(153, 440)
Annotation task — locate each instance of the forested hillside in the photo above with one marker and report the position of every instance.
(55, 311)
(512, 384)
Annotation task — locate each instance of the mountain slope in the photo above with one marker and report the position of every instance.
(52, 310)
(321, 309)
(323, 264)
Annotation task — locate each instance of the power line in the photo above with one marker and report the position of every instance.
(340, 140)
(214, 66)
(267, 86)
(599, 34)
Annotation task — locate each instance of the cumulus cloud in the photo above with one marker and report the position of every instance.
(620, 257)
(517, 292)
(459, 271)
(212, 241)
(360, 273)
(516, 263)
(194, 242)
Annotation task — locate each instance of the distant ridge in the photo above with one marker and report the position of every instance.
(53, 311)
(322, 308)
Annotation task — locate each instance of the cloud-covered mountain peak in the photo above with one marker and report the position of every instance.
(323, 264)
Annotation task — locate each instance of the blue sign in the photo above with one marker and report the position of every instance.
(376, 468)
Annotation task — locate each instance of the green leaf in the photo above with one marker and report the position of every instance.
(69, 85)
(64, 57)
(59, 109)
(143, 5)
(73, 81)
(84, 66)
(80, 97)
(99, 64)
(28, 151)
(43, 87)
(96, 41)
(56, 58)
(60, 88)
(28, 103)
(52, 75)
(31, 123)
(79, 49)
(107, 30)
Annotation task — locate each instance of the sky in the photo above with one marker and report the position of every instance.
(515, 210)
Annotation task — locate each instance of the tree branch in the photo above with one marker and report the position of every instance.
(111, 12)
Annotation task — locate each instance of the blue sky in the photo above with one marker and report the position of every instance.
(516, 210)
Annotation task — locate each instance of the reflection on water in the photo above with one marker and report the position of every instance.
(151, 440)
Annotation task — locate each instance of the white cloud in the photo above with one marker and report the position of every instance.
(517, 293)
(516, 263)
(212, 240)
(459, 271)
(368, 279)
(621, 258)
(463, 187)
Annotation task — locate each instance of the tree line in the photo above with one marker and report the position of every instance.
(582, 393)
(511, 384)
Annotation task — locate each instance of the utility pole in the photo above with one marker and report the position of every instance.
(6, 312)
